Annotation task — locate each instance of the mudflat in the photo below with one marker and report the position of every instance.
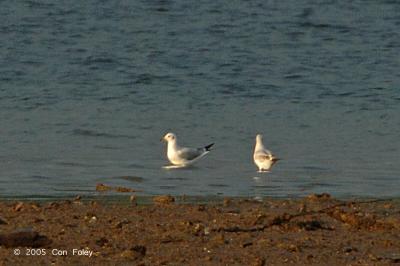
(315, 230)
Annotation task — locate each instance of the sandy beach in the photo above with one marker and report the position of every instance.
(315, 230)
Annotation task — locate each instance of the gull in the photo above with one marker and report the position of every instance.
(182, 156)
(263, 158)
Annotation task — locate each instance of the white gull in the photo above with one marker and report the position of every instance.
(183, 156)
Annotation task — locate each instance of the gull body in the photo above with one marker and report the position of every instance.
(183, 156)
(263, 158)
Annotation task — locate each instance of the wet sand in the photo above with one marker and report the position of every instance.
(316, 230)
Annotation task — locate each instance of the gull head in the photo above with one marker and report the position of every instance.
(259, 138)
(169, 137)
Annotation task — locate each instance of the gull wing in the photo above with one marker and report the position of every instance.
(262, 157)
(189, 153)
(268, 152)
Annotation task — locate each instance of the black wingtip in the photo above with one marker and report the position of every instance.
(208, 146)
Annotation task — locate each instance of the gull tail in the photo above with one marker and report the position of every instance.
(208, 147)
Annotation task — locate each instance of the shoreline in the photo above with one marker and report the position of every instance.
(124, 198)
(313, 230)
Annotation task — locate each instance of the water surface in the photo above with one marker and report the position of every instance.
(88, 88)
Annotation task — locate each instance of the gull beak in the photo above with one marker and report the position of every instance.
(162, 139)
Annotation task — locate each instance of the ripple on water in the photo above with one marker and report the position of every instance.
(84, 101)
(218, 185)
(168, 187)
(177, 178)
(135, 179)
(94, 133)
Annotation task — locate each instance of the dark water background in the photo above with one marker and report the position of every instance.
(87, 88)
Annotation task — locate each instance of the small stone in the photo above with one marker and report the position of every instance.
(388, 206)
(35, 206)
(53, 205)
(302, 208)
(139, 249)
(316, 197)
(387, 243)
(198, 229)
(136, 252)
(247, 244)
(102, 242)
(349, 249)
(219, 239)
(264, 242)
(259, 219)
(90, 217)
(294, 248)
(185, 223)
(289, 247)
(227, 202)
(233, 211)
(3, 221)
(165, 199)
(372, 257)
(38, 220)
(129, 254)
(93, 219)
(102, 187)
(311, 225)
(259, 262)
(124, 189)
(19, 206)
(119, 224)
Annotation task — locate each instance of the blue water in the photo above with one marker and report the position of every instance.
(87, 89)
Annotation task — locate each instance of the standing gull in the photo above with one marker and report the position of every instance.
(182, 156)
(263, 158)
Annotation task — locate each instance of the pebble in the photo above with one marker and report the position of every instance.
(102, 187)
(3, 221)
(19, 206)
(35, 207)
(165, 199)
(349, 249)
(102, 241)
(119, 224)
(259, 262)
(316, 197)
(227, 202)
(136, 252)
(124, 189)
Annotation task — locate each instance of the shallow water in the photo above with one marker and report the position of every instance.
(87, 90)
